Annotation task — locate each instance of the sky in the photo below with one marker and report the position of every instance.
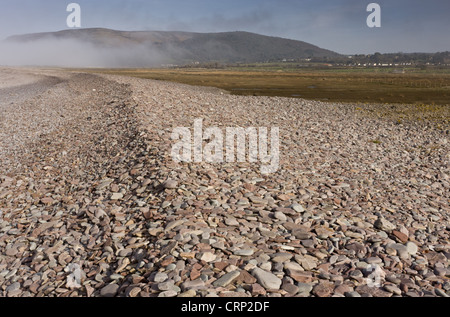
(338, 25)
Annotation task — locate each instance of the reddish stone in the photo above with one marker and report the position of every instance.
(220, 265)
(195, 272)
(323, 289)
(400, 236)
(35, 233)
(250, 187)
(146, 212)
(115, 188)
(89, 290)
(246, 278)
(342, 289)
(300, 276)
(324, 267)
(137, 279)
(284, 197)
(233, 261)
(197, 266)
(34, 288)
(93, 272)
(47, 200)
(258, 290)
(167, 260)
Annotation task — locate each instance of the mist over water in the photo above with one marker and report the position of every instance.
(78, 53)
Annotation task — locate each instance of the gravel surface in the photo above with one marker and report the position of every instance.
(92, 204)
(13, 77)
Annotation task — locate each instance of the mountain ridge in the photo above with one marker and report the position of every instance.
(188, 47)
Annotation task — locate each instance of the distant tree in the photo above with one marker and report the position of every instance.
(376, 58)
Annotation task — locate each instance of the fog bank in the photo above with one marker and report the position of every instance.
(76, 53)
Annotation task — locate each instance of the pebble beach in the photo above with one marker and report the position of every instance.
(93, 205)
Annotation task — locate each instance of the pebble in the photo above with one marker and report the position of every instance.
(290, 288)
(11, 251)
(134, 292)
(384, 225)
(298, 208)
(403, 238)
(116, 196)
(267, 280)
(229, 221)
(342, 289)
(227, 279)
(412, 248)
(170, 293)
(189, 294)
(396, 248)
(281, 257)
(258, 200)
(13, 287)
(293, 266)
(393, 289)
(304, 288)
(109, 290)
(324, 289)
(280, 216)
(352, 294)
(440, 292)
(244, 252)
(258, 290)
(300, 275)
(308, 243)
(308, 262)
(160, 277)
(393, 279)
(246, 278)
(166, 286)
(323, 233)
(374, 260)
(207, 257)
(170, 184)
(441, 271)
(173, 224)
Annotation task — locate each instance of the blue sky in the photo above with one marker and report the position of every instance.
(339, 25)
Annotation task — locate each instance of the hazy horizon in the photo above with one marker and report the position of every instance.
(407, 25)
(123, 30)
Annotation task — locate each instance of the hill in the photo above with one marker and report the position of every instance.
(182, 47)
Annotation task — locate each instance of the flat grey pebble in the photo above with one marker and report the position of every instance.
(109, 290)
